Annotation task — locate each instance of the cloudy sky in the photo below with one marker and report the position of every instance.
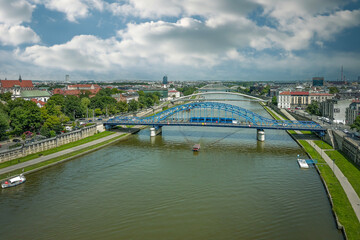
(185, 39)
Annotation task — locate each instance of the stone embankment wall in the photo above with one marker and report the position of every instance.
(48, 143)
(348, 146)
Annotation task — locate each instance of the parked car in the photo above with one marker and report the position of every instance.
(345, 131)
(16, 140)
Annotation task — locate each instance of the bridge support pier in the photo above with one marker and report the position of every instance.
(260, 135)
(155, 131)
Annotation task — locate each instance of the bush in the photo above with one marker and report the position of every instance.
(52, 133)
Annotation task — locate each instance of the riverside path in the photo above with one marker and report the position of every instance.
(349, 190)
(57, 154)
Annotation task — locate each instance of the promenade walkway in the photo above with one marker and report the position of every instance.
(57, 154)
(349, 190)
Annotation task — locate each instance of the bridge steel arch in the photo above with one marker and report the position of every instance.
(250, 119)
(224, 93)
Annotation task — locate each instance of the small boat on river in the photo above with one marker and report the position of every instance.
(303, 163)
(196, 147)
(12, 182)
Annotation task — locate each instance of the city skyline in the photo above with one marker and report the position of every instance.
(253, 40)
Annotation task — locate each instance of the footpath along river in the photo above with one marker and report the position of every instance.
(142, 188)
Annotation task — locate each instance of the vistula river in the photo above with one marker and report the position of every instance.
(142, 188)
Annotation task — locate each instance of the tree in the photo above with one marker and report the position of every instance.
(98, 112)
(85, 102)
(6, 96)
(265, 90)
(104, 92)
(333, 90)
(57, 99)
(24, 116)
(356, 124)
(133, 106)
(313, 108)
(4, 124)
(122, 106)
(73, 107)
(274, 100)
(53, 123)
(85, 94)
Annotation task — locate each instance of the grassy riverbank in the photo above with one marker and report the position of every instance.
(323, 145)
(351, 172)
(63, 157)
(54, 150)
(341, 205)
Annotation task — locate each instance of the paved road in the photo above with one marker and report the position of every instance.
(57, 154)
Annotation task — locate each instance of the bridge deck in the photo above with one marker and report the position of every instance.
(206, 124)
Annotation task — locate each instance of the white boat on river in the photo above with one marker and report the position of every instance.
(303, 163)
(12, 182)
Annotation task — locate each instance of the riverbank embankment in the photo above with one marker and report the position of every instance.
(342, 199)
(64, 153)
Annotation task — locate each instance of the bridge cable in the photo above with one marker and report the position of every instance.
(228, 135)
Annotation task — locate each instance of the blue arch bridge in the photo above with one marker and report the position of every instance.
(214, 114)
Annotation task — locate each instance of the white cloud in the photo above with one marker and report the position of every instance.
(15, 11)
(73, 9)
(83, 53)
(157, 9)
(188, 42)
(203, 37)
(15, 35)
(12, 14)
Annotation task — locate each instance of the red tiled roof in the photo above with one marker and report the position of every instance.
(83, 86)
(58, 91)
(76, 92)
(11, 83)
(38, 101)
(285, 93)
(320, 94)
(299, 93)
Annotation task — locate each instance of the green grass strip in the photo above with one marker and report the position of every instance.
(56, 149)
(57, 159)
(271, 112)
(351, 172)
(306, 132)
(323, 145)
(342, 206)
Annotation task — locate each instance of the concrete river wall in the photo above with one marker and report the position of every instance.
(49, 143)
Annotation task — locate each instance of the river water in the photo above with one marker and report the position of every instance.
(143, 188)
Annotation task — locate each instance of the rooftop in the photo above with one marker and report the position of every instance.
(12, 83)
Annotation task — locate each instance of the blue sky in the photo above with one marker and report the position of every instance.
(242, 40)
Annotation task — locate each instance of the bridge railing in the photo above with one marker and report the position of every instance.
(279, 124)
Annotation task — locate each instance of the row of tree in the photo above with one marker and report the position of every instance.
(18, 116)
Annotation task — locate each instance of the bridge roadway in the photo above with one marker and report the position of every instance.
(181, 122)
(215, 99)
